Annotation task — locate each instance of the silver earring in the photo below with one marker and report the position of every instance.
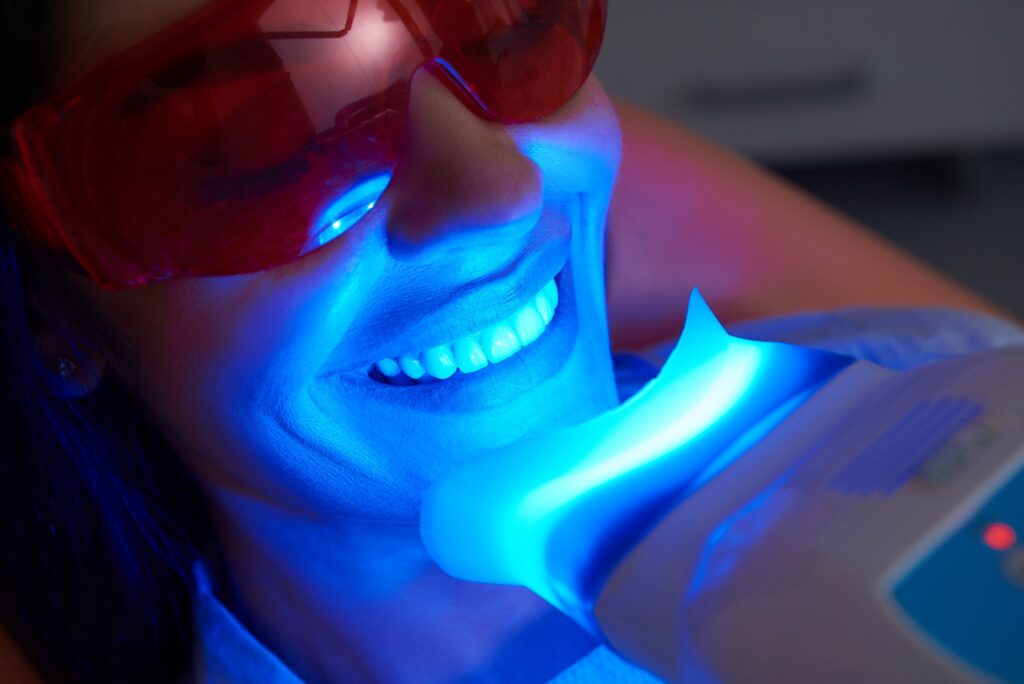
(65, 367)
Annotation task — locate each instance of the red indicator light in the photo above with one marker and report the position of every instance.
(999, 536)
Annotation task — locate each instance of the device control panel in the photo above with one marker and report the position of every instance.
(967, 594)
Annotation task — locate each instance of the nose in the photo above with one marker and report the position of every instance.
(460, 182)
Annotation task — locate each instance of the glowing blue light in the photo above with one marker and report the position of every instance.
(558, 512)
(724, 378)
(750, 438)
(347, 210)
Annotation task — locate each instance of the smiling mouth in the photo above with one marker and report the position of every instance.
(475, 352)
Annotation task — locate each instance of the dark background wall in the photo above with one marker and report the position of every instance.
(906, 114)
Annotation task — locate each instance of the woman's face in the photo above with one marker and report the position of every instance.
(261, 381)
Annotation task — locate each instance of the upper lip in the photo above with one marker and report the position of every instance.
(425, 317)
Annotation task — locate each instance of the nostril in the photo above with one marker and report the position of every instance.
(461, 181)
(473, 201)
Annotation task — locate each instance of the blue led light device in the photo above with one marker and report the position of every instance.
(762, 511)
(555, 513)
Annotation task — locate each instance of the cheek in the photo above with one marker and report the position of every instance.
(256, 353)
(218, 359)
(579, 147)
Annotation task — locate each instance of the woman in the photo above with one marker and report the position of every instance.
(310, 401)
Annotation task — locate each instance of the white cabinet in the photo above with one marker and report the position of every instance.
(799, 80)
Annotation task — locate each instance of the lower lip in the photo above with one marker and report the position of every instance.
(497, 384)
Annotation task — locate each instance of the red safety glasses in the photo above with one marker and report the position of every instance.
(256, 130)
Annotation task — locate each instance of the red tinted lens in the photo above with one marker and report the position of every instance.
(225, 144)
(520, 60)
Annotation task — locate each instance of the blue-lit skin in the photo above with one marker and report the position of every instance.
(314, 471)
(350, 208)
(557, 512)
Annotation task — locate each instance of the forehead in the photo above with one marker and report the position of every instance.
(89, 31)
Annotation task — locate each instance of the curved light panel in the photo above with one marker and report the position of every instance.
(556, 513)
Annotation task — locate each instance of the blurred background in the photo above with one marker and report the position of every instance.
(906, 114)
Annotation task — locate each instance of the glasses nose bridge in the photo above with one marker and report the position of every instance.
(465, 90)
(461, 179)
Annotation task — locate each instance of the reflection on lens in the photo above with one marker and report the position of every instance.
(348, 209)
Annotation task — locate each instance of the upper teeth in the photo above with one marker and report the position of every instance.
(473, 352)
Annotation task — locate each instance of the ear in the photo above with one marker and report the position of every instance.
(76, 368)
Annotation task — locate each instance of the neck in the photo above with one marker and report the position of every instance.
(357, 600)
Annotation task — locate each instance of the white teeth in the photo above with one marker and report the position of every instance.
(440, 362)
(550, 292)
(474, 352)
(544, 307)
(412, 367)
(499, 342)
(527, 324)
(469, 354)
(389, 367)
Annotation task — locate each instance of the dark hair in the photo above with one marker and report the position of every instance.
(100, 522)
